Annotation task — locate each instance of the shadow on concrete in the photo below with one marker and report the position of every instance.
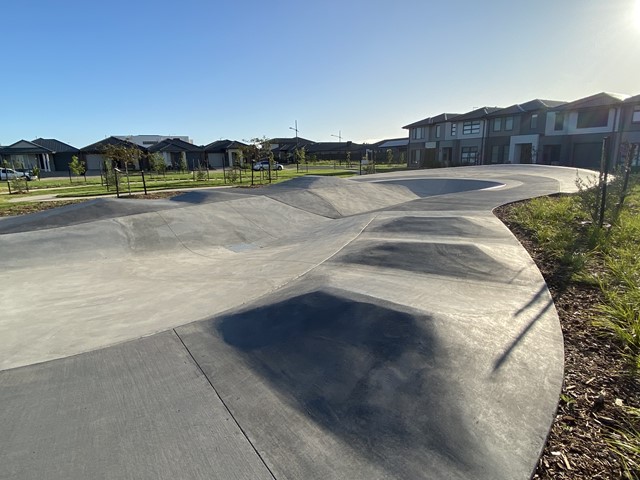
(542, 310)
(446, 259)
(365, 370)
(197, 197)
(442, 226)
(429, 187)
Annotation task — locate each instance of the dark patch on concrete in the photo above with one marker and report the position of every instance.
(429, 187)
(90, 211)
(447, 259)
(366, 370)
(443, 226)
(197, 197)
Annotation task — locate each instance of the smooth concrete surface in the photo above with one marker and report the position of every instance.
(383, 327)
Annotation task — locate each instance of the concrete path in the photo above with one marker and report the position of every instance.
(383, 327)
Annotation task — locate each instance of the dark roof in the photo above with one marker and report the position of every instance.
(634, 99)
(293, 140)
(99, 146)
(174, 145)
(443, 117)
(393, 143)
(602, 99)
(530, 106)
(23, 147)
(477, 113)
(222, 145)
(56, 146)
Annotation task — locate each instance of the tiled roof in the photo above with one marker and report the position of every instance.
(24, 147)
(222, 145)
(530, 106)
(98, 146)
(174, 145)
(477, 113)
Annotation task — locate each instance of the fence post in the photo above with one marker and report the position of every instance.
(144, 183)
(115, 172)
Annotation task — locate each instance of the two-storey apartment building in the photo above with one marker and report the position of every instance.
(539, 131)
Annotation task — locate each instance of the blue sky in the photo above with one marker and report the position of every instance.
(80, 70)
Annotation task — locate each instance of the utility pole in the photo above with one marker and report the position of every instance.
(339, 136)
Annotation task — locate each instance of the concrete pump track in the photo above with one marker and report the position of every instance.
(386, 327)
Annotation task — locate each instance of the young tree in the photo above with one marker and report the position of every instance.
(156, 162)
(389, 156)
(76, 166)
(183, 162)
(123, 156)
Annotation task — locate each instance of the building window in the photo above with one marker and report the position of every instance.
(534, 121)
(418, 133)
(496, 150)
(593, 118)
(437, 131)
(415, 157)
(508, 123)
(559, 122)
(469, 155)
(497, 124)
(454, 128)
(635, 118)
(471, 127)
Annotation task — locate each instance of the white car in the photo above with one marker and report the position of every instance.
(10, 174)
(264, 165)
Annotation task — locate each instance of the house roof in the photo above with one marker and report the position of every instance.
(99, 146)
(56, 146)
(634, 99)
(174, 145)
(23, 147)
(443, 117)
(393, 143)
(530, 106)
(598, 100)
(222, 145)
(477, 113)
(293, 140)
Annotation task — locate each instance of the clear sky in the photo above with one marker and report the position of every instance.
(81, 70)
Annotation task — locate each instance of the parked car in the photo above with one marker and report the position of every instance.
(264, 165)
(10, 174)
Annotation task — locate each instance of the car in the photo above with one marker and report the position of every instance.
(264, 165)
(10, 174)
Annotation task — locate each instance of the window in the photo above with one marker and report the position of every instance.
(635, 118)
(508, 123)
(497, 124)
(417, 133)
(437, 131)
(454, 128)
(469, 155)
(559, 122)
(534, 121)
(593, 118)
(415, 157)
(471, 127)
(496, 150)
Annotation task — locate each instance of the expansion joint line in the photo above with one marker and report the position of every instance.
(178, 238)
(225, 405)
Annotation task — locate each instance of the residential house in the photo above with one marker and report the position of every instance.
(26, 155)
(428, 136)
(174, 150)
(224, 153)
(284, 148)
(336, 151)
(630, 126)
(147, 141)
(397, 146)
(94, 155)
(576, 130)
(516, 134)
(61, 153)
(471, 132)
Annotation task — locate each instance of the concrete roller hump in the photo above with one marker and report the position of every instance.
(387, 326)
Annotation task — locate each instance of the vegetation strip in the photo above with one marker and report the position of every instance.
(594, 276)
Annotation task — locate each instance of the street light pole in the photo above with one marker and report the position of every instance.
(296, 130)
(338, 136)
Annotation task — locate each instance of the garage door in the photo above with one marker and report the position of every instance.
(587, 155)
